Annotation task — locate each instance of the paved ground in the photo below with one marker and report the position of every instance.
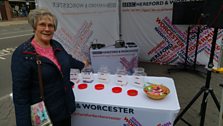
(15, 21)
(187, 85)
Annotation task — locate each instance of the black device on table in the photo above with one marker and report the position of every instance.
(97, 46)
(123, 44)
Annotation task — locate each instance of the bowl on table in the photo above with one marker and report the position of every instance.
(156, 91)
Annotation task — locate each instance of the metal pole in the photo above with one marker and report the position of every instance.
(221, 110)
(120, 18)
(197, 44)
(208, 78)
(36, 4)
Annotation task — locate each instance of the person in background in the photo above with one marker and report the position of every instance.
(17, 9)
(24, 10)
(55, 64)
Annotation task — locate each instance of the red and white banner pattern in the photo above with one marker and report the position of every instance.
(83, 21)
(145, 22)
(148, 23)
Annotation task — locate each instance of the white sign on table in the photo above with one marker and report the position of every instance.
(114, 58)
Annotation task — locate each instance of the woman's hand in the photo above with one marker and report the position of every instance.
(86, 63)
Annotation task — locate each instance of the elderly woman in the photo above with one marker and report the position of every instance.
(55, 63)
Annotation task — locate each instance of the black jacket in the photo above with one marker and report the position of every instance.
(59, 96)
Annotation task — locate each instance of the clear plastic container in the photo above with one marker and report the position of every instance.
(103, 74)
(87, 75)
(120, 76)
(75, 75)
(138, 76)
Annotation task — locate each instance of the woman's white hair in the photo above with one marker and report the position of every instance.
(36, 14)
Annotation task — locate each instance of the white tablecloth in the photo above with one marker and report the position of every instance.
(105, 108)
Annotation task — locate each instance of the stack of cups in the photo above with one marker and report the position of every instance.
(74, 76)
(103, 74)
(121, 76)
(138, 76)
(87, 75)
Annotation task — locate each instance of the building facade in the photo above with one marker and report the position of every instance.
(10, 9)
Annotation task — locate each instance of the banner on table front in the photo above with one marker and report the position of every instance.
(88, 114)
(84, 21)
(149, 24)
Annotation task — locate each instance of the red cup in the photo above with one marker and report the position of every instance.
(99, 86)
(82, 86)
(116, 89)
(132, 92)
